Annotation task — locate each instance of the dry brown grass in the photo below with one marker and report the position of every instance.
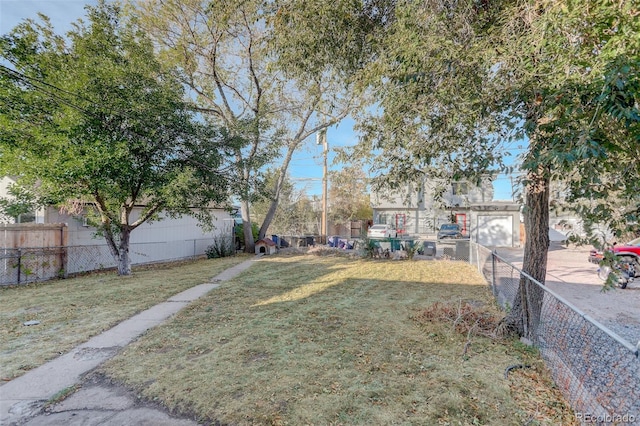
(464, 317)
(535, 392)
(73, 310)
(301, 339)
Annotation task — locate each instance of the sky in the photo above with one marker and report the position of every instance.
(306, 166)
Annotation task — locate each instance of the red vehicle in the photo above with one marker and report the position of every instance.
(630, 251)
(626, 265)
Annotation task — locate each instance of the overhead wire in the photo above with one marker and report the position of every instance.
(17, 75)
(31, 81)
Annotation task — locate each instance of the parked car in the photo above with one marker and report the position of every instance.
(629, 250)
(382, 231)
(449, 230)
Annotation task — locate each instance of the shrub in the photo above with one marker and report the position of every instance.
(239, 234)
(412, 249)
(370, 247)
(223, 246)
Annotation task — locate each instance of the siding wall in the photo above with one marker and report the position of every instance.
(163, 240)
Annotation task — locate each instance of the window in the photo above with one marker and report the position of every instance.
(26, 217)
(460, 188)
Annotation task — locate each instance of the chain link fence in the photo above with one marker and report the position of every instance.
(597, 370)
(28, 265)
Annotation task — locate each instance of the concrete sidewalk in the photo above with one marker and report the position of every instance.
(22, 400)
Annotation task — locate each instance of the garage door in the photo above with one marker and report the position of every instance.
(495, 231)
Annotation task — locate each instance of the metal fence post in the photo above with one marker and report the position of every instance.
(63, 262)
(493, 272)
(19, 264)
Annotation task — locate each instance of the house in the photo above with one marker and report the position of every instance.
(265, 246)
(420, 209)
(169, 238)
(6, 182)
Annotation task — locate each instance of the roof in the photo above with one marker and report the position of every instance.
(267, 242)
(495, 206)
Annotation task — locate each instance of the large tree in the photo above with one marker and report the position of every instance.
(349, 194)
(459, 81)
(241, 61)
(295, 215)
(96, 120)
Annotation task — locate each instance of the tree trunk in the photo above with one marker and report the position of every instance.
(268, 218)
(124, 261)
(119, 251)
(277, 189)
(275, 200)
(524, 317)
(249, 243)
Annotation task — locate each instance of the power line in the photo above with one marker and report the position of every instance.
(17, 75)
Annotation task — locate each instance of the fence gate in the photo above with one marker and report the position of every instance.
(356, 229)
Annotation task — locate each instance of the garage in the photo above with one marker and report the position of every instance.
(495, 231)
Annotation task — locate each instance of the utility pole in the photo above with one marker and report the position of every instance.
(321, 138)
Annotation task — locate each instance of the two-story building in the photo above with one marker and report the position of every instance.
(420, 209)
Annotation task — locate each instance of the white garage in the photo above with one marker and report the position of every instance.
(495, 231)
(496, 224)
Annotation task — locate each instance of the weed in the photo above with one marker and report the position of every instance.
(464, 317)
(413, 248)
(223, 246)
(61, 395)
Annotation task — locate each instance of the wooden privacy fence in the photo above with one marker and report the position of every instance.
(18, 235)
(32, 252)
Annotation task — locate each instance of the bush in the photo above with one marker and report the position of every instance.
(239, 234)
(413, 249)
(371, 249)
(223, 246)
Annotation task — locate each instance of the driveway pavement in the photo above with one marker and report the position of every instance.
(575, 279)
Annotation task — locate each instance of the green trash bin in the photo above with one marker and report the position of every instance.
(395, 244)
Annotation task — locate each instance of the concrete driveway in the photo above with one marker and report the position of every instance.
(574, 278)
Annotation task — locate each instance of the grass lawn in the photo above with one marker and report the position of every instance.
(303, 339)
(73, 310)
